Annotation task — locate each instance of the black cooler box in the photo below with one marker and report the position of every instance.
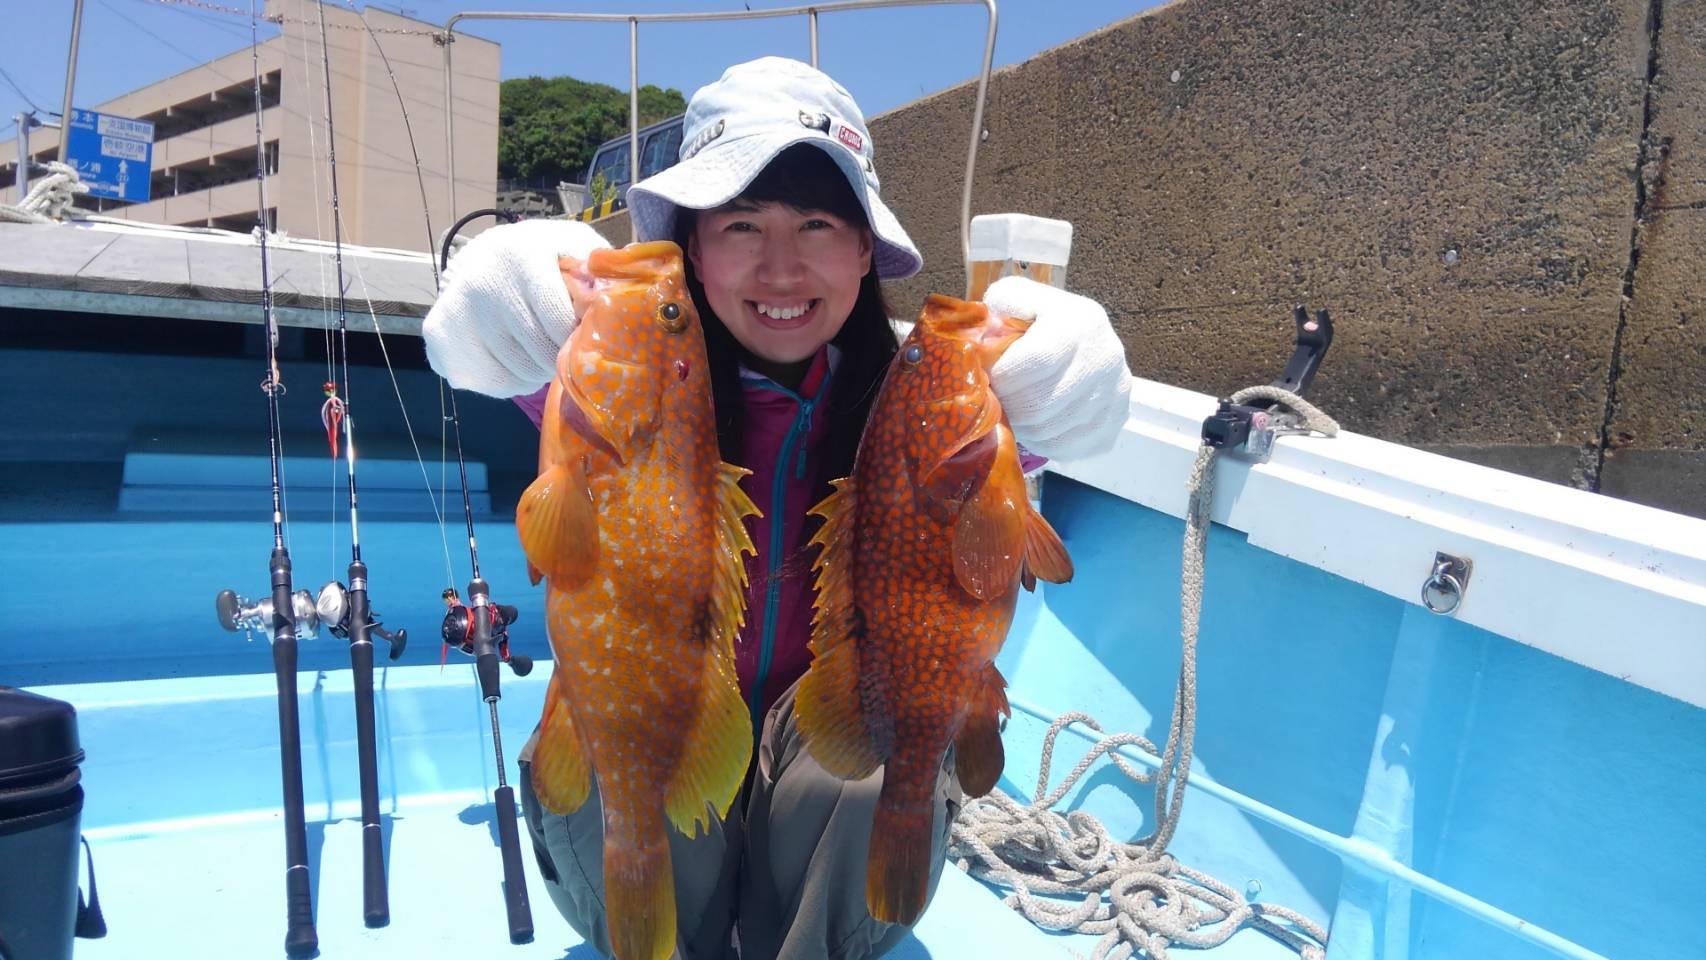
(41, 807)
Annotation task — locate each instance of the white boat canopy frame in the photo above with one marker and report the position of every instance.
(635, 19)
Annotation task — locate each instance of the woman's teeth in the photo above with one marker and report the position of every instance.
(784, 313)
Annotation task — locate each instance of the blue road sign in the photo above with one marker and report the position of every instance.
(113, 155)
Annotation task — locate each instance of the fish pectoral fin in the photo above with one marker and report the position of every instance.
(558, 525)
(989, 536)
(978, 754)
(831, 717)
(561, 778)
(1045, 556)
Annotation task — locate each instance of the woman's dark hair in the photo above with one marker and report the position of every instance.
(805, 178)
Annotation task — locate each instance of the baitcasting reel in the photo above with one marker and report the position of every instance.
(239, 613)
(458, 630)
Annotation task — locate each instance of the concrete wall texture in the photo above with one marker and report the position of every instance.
(1502, 203)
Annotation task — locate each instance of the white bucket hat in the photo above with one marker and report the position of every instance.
(737, 125)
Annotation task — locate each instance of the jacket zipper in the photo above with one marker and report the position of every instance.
(778, 494)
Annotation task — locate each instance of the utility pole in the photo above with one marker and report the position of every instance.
(70, 82)
(25, 122)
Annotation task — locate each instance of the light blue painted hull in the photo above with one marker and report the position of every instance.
(1427, 788)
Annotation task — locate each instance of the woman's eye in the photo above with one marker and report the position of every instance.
(816, 224)
(739, 226)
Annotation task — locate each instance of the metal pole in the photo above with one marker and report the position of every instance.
(23, 156)
(976, 136)
(70, 81)
(768, 13)
(633, 117)
(814, 37)
(449, 124)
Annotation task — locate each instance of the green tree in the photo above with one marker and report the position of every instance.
(550, 127)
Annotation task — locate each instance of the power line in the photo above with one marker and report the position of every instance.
(281, 19)
(27, 99)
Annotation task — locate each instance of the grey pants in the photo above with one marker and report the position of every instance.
(787, 865)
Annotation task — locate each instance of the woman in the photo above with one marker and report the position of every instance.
(776, 204)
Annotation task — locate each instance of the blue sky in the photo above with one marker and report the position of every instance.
(885, 57)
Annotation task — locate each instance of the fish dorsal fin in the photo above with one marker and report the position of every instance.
(989, 536)
(978, 755)
(831, 716)
(718, 746)
(558, 525)
(561, 778)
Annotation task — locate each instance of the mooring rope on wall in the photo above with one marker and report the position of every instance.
(48, 198)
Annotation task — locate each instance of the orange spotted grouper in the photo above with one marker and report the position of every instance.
(636, 525)
(923, 552)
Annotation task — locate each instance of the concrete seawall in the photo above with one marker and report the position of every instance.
(1503, 205)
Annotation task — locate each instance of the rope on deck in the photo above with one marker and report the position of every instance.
(1152, 901)
(48, 198)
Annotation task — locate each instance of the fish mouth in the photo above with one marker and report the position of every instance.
(642, 262)
(784, 316)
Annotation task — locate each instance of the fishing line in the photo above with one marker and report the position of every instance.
(479, 627)
(426, 214)
(350, 612)
(300, 936)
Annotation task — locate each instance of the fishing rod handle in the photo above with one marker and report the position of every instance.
(300, 940)
(515, 883)
(376, 908)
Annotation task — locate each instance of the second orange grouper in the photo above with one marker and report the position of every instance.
(924, 550)
(637, 526)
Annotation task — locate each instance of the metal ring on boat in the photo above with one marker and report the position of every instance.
(1450, 577)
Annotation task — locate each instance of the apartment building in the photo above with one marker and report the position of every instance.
(205, 159)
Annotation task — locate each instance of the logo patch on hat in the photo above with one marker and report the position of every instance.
(849, 136)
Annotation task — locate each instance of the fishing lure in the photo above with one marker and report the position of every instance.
(332, 415)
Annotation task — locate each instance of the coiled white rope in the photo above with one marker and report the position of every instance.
(48, 198)
(1152, 902)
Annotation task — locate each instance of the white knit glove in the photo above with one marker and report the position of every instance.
(503, 310)
(1064, 384)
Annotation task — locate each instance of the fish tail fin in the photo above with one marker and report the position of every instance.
(561, 778)
(897, 876)
(978, 754)
(639, 886)
(831, 713)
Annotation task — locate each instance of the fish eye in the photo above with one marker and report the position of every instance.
(672, 317)
(913, 353)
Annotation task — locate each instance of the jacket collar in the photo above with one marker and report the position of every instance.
(824, 362)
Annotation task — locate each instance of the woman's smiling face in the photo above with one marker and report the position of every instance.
(782, 280)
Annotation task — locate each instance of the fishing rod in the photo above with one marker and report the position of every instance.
(482, 631)
(480, 626)
(351, 610)
(285, 609)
